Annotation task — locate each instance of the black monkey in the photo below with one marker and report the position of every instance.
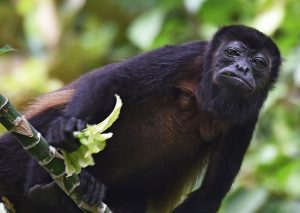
(185, 107)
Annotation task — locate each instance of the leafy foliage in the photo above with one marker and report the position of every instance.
(6, 49)
(92, 140)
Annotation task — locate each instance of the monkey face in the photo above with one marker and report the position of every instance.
(241, 69)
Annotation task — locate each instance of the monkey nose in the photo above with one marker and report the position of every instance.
(242, 67)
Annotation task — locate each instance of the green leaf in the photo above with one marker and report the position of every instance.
(281, 206)
(245, 200)
(146, 28)
(92, 140)
(6, 49)
(288, 178)
(193, 6)
(268, 21)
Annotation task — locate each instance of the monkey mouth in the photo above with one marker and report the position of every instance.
(237, 81)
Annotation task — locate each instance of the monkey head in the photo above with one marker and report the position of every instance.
(240, 67)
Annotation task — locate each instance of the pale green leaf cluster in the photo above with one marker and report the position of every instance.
(92, 140)
(6, 49)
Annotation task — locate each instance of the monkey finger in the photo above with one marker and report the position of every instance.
(54, 135)
(70, 124)
(80, 124)
(99, 193)
(91, 189)
(46, 193)
(94, 195)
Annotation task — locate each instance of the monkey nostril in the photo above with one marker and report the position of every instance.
(242, 68)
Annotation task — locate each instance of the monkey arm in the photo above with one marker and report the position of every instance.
(141, 78)
(224, 164)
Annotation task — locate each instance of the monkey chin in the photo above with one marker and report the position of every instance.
(242, 87)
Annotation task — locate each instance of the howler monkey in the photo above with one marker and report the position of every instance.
(188, 110)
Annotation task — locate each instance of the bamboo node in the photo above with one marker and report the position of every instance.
(22, 127)
(6, 101)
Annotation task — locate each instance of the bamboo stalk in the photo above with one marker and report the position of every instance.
(47, 156)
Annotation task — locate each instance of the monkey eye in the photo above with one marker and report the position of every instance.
(259, 62)
(232, 52)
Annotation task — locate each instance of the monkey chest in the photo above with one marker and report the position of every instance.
(140, 157)
(211, 129)
(146, 150)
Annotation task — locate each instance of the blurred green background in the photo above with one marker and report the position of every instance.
(56, 41)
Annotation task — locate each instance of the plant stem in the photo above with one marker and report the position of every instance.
(47, 156)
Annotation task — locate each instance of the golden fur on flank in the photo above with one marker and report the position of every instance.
(56, 99)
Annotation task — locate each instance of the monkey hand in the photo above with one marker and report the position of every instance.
(92, 190)
(60, 133)
(49, 194)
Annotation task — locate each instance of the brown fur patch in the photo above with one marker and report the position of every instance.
(182, 187)
(55, 99)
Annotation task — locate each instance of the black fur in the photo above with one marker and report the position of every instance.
(211, 97)
(156, 140)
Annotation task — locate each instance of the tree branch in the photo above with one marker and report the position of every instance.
(47, 156)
